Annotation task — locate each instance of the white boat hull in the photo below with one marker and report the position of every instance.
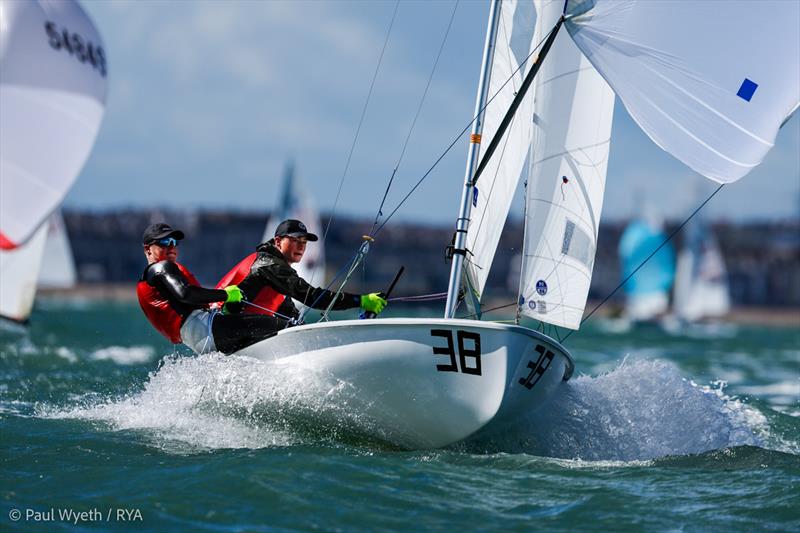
(427, 383)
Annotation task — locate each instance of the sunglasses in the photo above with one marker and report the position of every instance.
(166, 242)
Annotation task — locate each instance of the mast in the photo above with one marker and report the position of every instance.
(462, 223)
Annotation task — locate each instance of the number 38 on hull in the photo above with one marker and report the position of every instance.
(427, 383)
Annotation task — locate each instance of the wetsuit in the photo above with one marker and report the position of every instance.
(178, 307)
(271, 272)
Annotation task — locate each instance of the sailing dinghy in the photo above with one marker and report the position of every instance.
(52, 97)
(710, 97)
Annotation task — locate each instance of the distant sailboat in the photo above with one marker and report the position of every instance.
(53, 92)
(19, 270)
(701, 281)
(647, 292)
(58, 271)
(295, 202)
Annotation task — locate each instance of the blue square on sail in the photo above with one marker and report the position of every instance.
(474, 197)
(747, 89)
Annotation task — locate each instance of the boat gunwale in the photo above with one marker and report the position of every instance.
(403, 321)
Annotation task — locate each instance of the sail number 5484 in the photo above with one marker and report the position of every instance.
(469, 351)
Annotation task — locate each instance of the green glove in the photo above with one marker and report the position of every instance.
(234, 294)
(373, 302)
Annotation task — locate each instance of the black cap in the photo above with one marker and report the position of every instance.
(158, 231)
(294, 228)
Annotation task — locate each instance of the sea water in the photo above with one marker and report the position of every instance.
(105, 426)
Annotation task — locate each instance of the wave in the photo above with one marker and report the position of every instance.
(214, 401)
(640, 410)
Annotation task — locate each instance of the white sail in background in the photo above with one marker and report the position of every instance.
(710, 82)
(574, 108)
(701, 279)
(498, 182)
(19, 269)
(58, 271)
(53, 79)
(294, 202)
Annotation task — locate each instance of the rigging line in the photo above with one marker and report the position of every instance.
(491, 309)
(416, 116)
(671, 235)
(462, 132)
(361, 121)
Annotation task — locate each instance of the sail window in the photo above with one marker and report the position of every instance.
(577, 244)
(747, 89)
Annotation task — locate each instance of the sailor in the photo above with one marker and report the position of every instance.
(268, 282)
(178, 307)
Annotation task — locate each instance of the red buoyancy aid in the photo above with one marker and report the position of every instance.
(158, 310)
(268, 299)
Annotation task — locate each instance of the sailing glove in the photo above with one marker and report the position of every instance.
(373, 302)
(234, 294)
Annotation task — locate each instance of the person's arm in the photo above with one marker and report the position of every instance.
(165, 275)
(285, 280)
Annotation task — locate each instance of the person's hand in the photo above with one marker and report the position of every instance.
(233, 304)
(234, 294)
(373, 302)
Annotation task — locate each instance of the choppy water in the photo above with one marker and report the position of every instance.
(697, 430)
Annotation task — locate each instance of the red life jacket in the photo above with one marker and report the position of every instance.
(267, 298)
(158, 310)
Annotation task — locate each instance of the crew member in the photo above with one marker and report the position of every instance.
(178, 307)
(268, 281)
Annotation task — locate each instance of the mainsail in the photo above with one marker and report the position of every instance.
(295, 203)
(19, 269)
(58, 272)
(709, 82)
(53, 80)
(701, 279)
(494, 192)
(574, 108)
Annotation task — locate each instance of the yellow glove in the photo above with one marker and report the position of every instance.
(373, 302)
(234, 294)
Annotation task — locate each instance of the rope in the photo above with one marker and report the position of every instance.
(416, 116)
(462, 132)
(360, 123)
(420, 297)
(270, 311)
(669, 238)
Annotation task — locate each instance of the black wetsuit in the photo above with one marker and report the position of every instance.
(271, 269)
(231, 332)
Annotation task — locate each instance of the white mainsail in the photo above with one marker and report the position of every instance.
(574, 108)
(709, 82)
(19, 269)
(494, 192)
(701, 280)
(53, 80)
(295, 203)
(58, 272)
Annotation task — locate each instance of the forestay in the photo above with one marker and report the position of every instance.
(709, 82)
(494, 192)
(572, 127)
(53, 86)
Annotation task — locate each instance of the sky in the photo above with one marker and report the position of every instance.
(208, 100)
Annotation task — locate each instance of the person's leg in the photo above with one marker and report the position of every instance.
(234, 332)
